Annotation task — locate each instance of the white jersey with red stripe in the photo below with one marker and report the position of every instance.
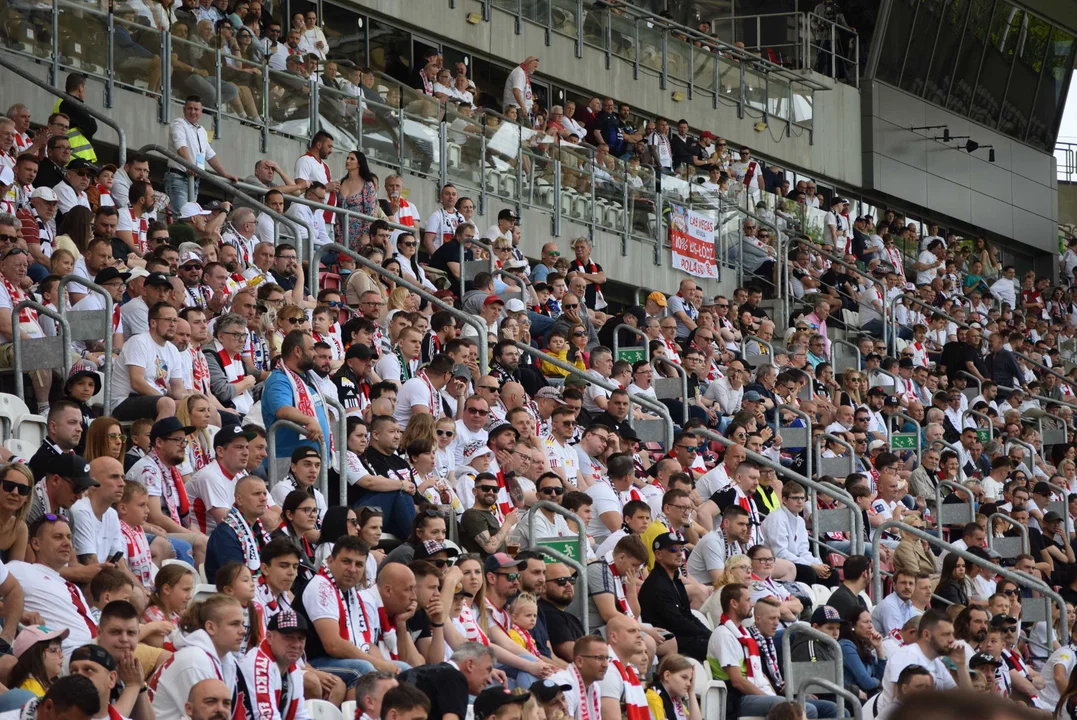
(272, 694)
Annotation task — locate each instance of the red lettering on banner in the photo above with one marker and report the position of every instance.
(691, 238)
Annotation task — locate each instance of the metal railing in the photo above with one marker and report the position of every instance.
(794, 685)
(44, 359)
(942, 518)
(832, 491)
(825, 463)
(1022, 579)
(480, 329)
(641, 400)
(993, 542)
(804, 41)
(634, 331)
(578, 565)
(342, 445)
(1066, 157)
(66, 312)
(121, 136)
(812, 247)
(272, 461)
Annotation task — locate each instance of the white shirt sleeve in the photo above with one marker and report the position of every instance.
(320, 600)
(605, 500)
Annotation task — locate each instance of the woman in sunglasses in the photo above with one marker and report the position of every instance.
(15, 484)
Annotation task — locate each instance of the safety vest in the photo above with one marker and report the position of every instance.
(80, 144)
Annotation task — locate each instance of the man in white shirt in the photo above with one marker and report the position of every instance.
(786, 534)
(721, 476)
(610, 495)
(313, 168)
(590, 662)
(470, 430)
(707, 561)
(189, 140)
(310, 219)
(134, 314)
(97, 535)
(212, 489)
(72, 191)
(60, 603)
(934, 640)
(661, 149)
(1005, 289)
(420, 394)
(518, 90)
(146, 379)
(563, 459)
(929, 262)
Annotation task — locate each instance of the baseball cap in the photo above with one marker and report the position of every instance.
(825, 614)
(230, 432)
(549, 393)
(1052, 517)
(507, 214)
(877, 391)
(515, 264)
(752, 396)
(190, 257)
(44, 193)
(666, 541)
(503, 426)
(658, 297)
(490, 300)
(892, 401)
(515, 305)
(163, 428)
(157, 280)
(981, 658)
(80, 164)
(906, 362)
(83, 369)
(500, 561)
(95, 653)
(546, 690)
(34, 634)
(305, 451)
(190, 210)
(136, 272)
(1041, 488)
(1002, 619)
(432, 547)
(288, 621)
(639, 313)
(876, 444)
(74, 468)
(109, 274)
(706, 134)
(490, 700)
(358, 351)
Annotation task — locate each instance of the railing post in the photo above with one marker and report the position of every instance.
(54, 70)
(265, 110)
(164, 110)
(577, 565)
(109, 304)
(556, 230)
(315, 118)
(664, 77)
(110, 73)
(16, 338)
(218, 85)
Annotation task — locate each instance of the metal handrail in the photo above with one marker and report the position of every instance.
(634, 331)
(807, 424)
(939, 503)
(271, 452)
(480, 328)
(97, 289)
(832, 491)
(1022, 579)
(981, 416)
(768, 344)
(228, 187)
(1031, 449)
(840, 692)
(121, 143)
(641, 400)
(17, 340)
(817, 447)
(854, 346)
(1041, 366)
(809, 245)
(919, 437)
(683, 375)
(787, 661)
(557, 554)
(342, 441)
(1021, 529)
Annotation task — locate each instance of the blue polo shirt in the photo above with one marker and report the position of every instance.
(277, 393)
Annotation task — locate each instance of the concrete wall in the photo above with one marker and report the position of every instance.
(836, 147)
(1016, 196)
(1067, 204)
(238, 149)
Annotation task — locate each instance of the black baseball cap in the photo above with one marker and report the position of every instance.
(80, 164)
(164, 428)
(666, 541)
(95, 653)
(157, 280)
(877, 391)
(507, 214)
(109, 274)
(305, 451)
(546, 690)
(288, 621)
(230, 432)
(490, 700)
(358, 351)
(74, 468)
(981, 658)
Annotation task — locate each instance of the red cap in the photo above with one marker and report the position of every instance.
(707, 134)
(491, 300)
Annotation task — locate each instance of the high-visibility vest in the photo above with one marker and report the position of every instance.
(80, 144)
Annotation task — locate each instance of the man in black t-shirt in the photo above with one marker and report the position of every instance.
(564, 629)
(397, 506)
(447, 257)
(449, 684)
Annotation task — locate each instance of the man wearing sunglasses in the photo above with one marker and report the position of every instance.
(71, 191)
(547, 260)
(549, 488)
(503, 575)
(664, 600)
(563, 628)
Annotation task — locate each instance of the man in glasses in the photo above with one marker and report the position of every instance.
(484, 527)
(549, 488)
(562, 457)
(563, 628)
(71, 191)
(147, 377)
(547, 260)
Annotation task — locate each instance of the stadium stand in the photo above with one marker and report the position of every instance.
(482, 395)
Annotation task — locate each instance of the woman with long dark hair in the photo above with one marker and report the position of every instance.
(358, 192)
(298, 515)
(862, 651)
(339, 521)
(952, 583)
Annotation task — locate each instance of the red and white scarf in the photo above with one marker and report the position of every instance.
(590, 700)
(199, 371)
(27, 316)
(470, 625)
(252, 538)
(388, 641)
(331, 341)
(139, 558)
(139, 229)
(344, 616)
(619, 587)
(304, 402)
(234, 372)
(635, 698)
(265, 697)
(173, 491)
(753, 662)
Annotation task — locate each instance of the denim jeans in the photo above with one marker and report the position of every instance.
(14, 699)
(760, 705)
(347, 669)
(397, 509)
(522, 678)
(176, 189)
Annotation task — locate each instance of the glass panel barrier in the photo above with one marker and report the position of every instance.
(622, 35)
(728, 80)
(464, 146)
(803, 100)
(194, 70)
(563, 17)
(538, 173)
(650, 44)
(643, 201)
(678, 65)
(137, 54)
(82, 36)
(595, 26)
(755, 88)
(778, 101)
(379, 133)
(289, 104)
(704, 60)
(577, 178)
(338, 114)
(245, 76)
(27, 29)
(421, 134)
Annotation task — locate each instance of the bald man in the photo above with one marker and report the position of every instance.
(209, 700)
(626, 643)
(396, 593)
(97, 536)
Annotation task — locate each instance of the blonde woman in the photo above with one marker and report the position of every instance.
(738, 569)
(421, 426)
(289, 317)
(195, 411)
(16, 481)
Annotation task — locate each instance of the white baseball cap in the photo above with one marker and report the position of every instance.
(515, 305)
(44, 193)
(191, 209)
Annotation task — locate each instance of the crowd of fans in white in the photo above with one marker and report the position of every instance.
(150, 569)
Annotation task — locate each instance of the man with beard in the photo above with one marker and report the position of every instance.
(934, 641)
(287, 272)
(970, 629)
(391, 487)
(563, 628)
(147, 380)
(896, 608)
(289, 394)
(323, 359)
(274, 683)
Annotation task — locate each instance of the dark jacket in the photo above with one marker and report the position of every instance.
(664, 604)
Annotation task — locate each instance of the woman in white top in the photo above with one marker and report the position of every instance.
(195, 411)
(339, 521)
(406, 247)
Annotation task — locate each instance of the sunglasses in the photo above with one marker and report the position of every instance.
(9, 239)
(444, 433)
(294, 321)
(511, 577)
(567, 580)
(477, 411)
(10, 486)
(487, 488)
(574, 306)
(544, 491)
(441, 564)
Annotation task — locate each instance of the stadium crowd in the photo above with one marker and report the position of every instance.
(150, 570)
